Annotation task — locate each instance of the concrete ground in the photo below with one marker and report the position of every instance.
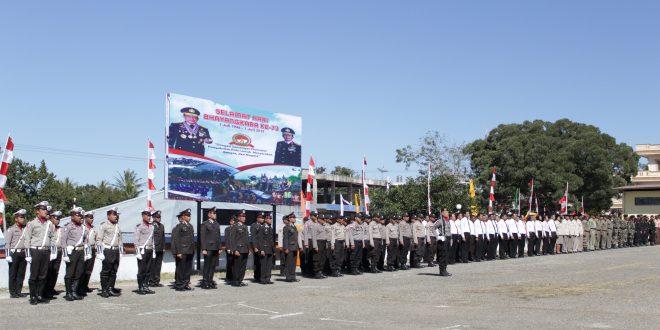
(618, 289)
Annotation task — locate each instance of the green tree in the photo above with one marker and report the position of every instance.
(320, 170)
(341, 170)
(25, 182)
(435, 149)
(553, 153)
(128, 184)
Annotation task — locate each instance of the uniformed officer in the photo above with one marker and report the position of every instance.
(143, 239)
(355, 230)
(288, 152)
(90, 253)
(188, 135)
(210, 235)
(229, 253)
(364, 263)
(38, 235)
(392, 242)
(73, 245)
(255, 229)
(239, 245)
(110, 248)
(375, 241)
(290, 241)
(265, 243)
(319, 245)
(443, 234)
(159, 248)
(383, 245)
(405, 241)
(15, 246)
(55, 256)
(183, 249)
(338, 242)
(419, 241)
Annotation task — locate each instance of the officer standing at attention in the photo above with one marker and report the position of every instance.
(229, 253)
(38, 235)
(144, 251)
(183, 249)
(443, 233)
(375, 240)
(109, 246)
(210, 235)
(290, 241)
(255, 229)
(319, 244)
(239, 245)
(288, 152)
(15, 245)
(73, 245)
(419, 241)
(265, 242)
(159, 247)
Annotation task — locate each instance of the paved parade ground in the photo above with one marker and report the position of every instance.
(618, 289)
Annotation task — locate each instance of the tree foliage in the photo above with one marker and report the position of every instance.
(553, 153)
(341, 170)
(446, 158)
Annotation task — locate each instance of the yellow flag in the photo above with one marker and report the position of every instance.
(357, 203)
(473, 200)
(472, 194)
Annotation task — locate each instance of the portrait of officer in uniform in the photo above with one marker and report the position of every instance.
(188, 135)
(287, 151)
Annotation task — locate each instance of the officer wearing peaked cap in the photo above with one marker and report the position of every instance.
(183, 249)
(73, 245)
(38, 235)
(55, 256)
(288, 152)
(210, 235)
(144, 251)
(159, 248)
(255, 233)
(238, 244)
(15, 253)
(109, 245)
(188, 135)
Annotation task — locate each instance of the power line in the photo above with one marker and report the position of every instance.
(75, 153)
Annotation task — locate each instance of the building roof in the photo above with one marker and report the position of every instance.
(640, 187)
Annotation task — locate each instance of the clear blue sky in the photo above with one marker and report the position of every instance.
(367, 77)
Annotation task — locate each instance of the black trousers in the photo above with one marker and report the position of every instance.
(531, 244)
(546, 245)
(184, 266)
(553, 243)
(38, 271)
(443, 257)
(430, 252)
(290, 265)
(74, 270)
(240, 264)
(337, 256)
(464, 247)
(210, 263)
(356, 255)
(537, 245)
(256, 265)
(156, 266)
(320, 256)
(17, 272)
(479, 248)
(381, 259)
(491, 251)
(53, 272)
(454, 248)
(404, 250)
(392, 252)
(473, 245)
(419, 251)
(229, 275)
(144, 266)
(504, 246)
(87, 274)
(513, 246)
(374, 253)
(109, 268)
(307, 261)
(266, 265)
(521, 246)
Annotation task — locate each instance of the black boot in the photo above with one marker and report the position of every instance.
(67, 286)
(145, 286)
(104, 287)
(33, 293)
(443, 272)
(140, 289)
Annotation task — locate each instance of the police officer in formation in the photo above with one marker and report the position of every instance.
(238, 244)
(110, 248)
(15, 252)
(159, 249)
(143, 239)
(210, 236)
(290, 242)
(74, 240)
(183, 249)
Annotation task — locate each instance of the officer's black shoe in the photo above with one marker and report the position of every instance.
(319, 276)
(243, 284)
(82, 293)
(114, 292)
(76, 296)
(141, 291)
(22, 295)
(178, 288)
(148, 291)
(42, 300)
(293, 280)
(13, 295)
(33, 301)
(89, 290)
(157, 285)
(444, 273)
(104, 294)
(69, 297)
(354, 272)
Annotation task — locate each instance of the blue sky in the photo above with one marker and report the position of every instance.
(366, 76)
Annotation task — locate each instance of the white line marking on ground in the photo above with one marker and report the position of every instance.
(170, 311)
(284, 315)
(453, 327)
(336, 320)
(442, 306)
(259, 309)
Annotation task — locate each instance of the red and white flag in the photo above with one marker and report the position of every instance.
(537, 204)
(564, 202)
(150, 175)
(491, 200)
(365, 187)
(310, 179)
(531, 196)
(428, 189)
(7, 158)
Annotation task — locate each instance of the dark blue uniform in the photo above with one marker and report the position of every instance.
(190, 138)
(288, 154)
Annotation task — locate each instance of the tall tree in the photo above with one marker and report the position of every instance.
(553, 154)
(341, 170)
(128, 184)
(436, 149)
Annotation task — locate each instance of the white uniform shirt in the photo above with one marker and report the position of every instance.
(490, 227)
(522, 230)
(512, 226)
(453, 227)
(501, 228)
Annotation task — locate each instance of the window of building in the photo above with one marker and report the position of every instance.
(647, 200)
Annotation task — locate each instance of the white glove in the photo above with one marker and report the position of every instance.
(69, 249)
(8, 259)
(53, 257)
(442, 238)
(100, 256)
(66, 259)
(28, 259)
(138, 256)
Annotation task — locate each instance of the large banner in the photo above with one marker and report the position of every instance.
(225, 153)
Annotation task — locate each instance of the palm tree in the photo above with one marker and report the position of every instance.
(128, 184)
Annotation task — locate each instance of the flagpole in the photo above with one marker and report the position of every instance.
(4, 212)
(148, 170)
(428, 189)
